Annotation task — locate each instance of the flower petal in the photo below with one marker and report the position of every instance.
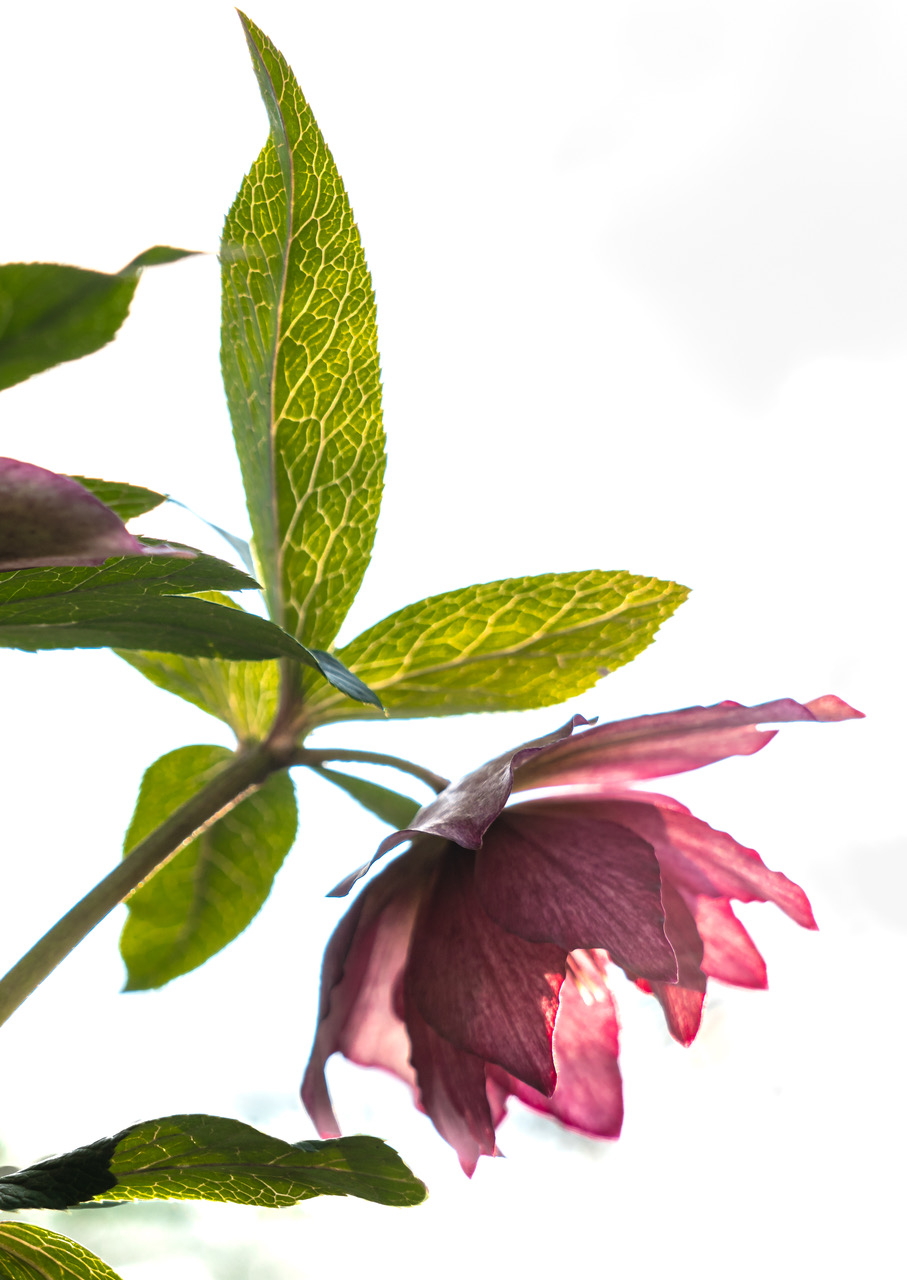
(588, 1096)
(49, 519)
(672, 742)
(563, 873)
(362, 967)
(451, 1090)
(729, 953)
(487, 991)
(697, 858)
(464, 811)
(681, 1001)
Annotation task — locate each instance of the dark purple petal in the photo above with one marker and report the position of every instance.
(681, 1001)
(729, 953)
(588, 1096)
(451, 1091)
(464, 811)
(362, 967)
(697, 858)
(487, 991)
(49, 519)
(673, 742)
(563, 873)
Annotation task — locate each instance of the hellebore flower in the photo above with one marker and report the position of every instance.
(50, 519)
(473, 967)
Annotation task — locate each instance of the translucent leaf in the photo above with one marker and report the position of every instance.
(504, 646)
(390, 806)
(207, 894)
(300, 362)
(28, 1252)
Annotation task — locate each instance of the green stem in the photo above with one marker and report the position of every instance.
(245, 772)
(313, 756)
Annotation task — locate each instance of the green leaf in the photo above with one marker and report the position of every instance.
(209, 1158)
(504, 646)
(61, 1181)
(199, 1157)
(207, 894)
(392, 808)
(127, 500)
(242, 694)
(51, 313)
(28, 1252)
(300, 362)
(138, 602)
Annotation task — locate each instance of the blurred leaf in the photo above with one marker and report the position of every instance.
(300, 362)
(504, 646)
(209, 1158)
(242, 694)
(28, 1252)
(138, 602)
(51, 313)
(127, 500)
(199, 1157)
(391, 807)
(209, 892)
(239, 545)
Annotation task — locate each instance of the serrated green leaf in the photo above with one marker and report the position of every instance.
(390, 806)
(210, 1158)
(207, 894)
(242, 694)
(51, 313)
(504, 646)
(127, 500)
(300, 362)
(138, 602)
(199, 1157)
(28, 1252)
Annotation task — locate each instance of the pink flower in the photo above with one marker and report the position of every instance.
(473, 967)
(50, 519)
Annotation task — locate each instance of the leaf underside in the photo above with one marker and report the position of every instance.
(390, 806)
(300, 363)
(127, 500)
(504, 646)
(207, 894)
(200, 1157)
(29, 1252)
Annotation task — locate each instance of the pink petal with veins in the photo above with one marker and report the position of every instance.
(489, 992)
(560, 872)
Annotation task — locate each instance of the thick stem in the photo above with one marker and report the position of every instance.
(313, 756)
(245, 772)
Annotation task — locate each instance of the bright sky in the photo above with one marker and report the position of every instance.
(641, 274)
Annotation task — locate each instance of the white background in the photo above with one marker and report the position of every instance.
(641, 271)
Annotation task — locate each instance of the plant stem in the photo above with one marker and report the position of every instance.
(313, 756)
(245, 772)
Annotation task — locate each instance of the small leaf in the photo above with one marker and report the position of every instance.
(300, 363)
(207, 894)
(127, 500)
(504, 646)
(28, 1252)
(391, 807)
(242, 694)
(51, 313)
(199, 1157)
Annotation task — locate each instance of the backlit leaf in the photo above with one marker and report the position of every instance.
(300, 362)
(28, 1252)
(209, 892)
(391, 807)
(504, 646)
